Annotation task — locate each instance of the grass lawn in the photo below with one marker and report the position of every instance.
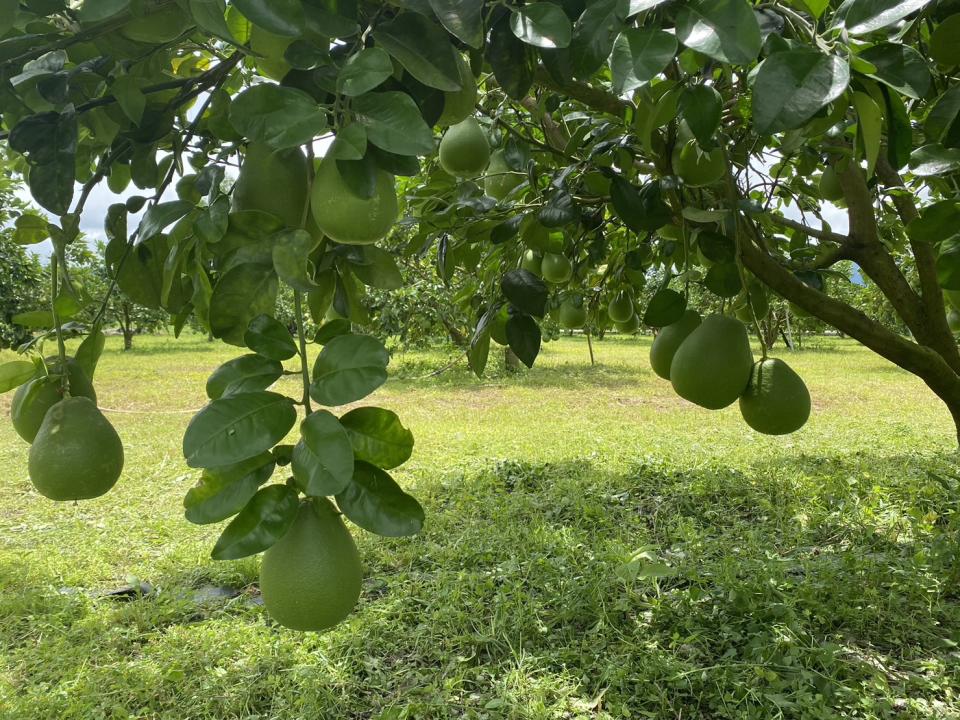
(595, 548)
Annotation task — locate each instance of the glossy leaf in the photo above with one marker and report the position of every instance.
(393, 122)
(665, 308)
(542, 24)
(639, 55)
(90, 350)
(422, 48)
(237, 427)
(364, 71)
(701, 107)
(723, 280)
(349, 368)
(931, 160)
(15, 373)
(378, 437)
(160, 216)
(525, 291)
(224, 491)
(263, 521)
(725, 30)
(793, 85)
(270, 338)
(30, 229)
(900, 67)
(282, 117)
(865, 16)
(247, 373)
(375, 502)
(462, 18)
(513, 61)
(281, 17)
(323, 458)
(524, 338)
(291, 251)
(243, 292)
(378, 269)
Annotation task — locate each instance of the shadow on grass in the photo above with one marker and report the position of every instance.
(809, 584)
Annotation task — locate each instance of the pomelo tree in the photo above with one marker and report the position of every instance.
(555, 154)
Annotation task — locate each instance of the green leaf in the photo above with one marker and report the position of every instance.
(281, 17)
(665, 308)
(350, 143)
(514, 62)
(34, 319)
(30, 229)
(524, 338)
(323, 459)
(378, 437)
(15, 373)
(870, 124)
(375, 502)
(935, 222)
(723, 280)
(378, 269)
(90, 350)
(542, 24)
(364, 71)
(900, 67)
(269, 338)
(948, 264)
(247, 373)
(931, 160)
(329, 330)
(943, 121)
(224, 491)
(639, 55)
(52, 184)
(716, 247)
(643, 209)
(701, 107)
(525, 291)
(594, 35)
(263, 521)
(243, 292)
(393, 122)
(210, 16)
(479, 350)
(865, 16)
(793, 85)
(349, 368)
(282, 117)
(160, 216)
(637, 6)
(422, 48)
(462, 18)
(130, 98)
(237, 427)
(93, 11)
(291, 251)
(725, 30)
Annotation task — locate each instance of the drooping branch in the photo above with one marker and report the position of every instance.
(818, 233)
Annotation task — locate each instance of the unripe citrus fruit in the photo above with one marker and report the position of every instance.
(464, 150)
(556, 268)
(272, 181)
(458, 105)
(33, 399)
(77, 454)
(271, 48)
(629, 326)
(711, 368)
(310, 578)
(830, 187)
(696, 167)
(776, 401)
(347, 218)
(532, 261)
(498, 326)
(620, 308)
(572, 315)
(669, 339)
(500, 179)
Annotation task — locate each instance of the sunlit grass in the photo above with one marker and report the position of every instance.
(811, 576)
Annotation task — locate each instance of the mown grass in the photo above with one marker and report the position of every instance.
(595, 548)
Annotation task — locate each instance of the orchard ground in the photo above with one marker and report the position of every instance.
(595, 548)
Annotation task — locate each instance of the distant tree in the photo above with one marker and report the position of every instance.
(21, 289)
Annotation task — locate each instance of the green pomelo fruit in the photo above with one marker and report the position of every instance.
(500, 180)
(830, 188)
(629, 326)
(460, 104)
(556, 268)
(711, 368)
(271, 48)
(464, 150)
(347, 218)
(953, 320)
(538, 237)
(696, 167)
(77, 454)
(498, 326)
(572, 315)
(310, 578)
(272, 181)
(162, 24)
(532, 261)
(669, 339)
(33, 399)
(776, 401)
(620, 308)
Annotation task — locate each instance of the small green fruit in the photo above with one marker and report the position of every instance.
(830, 187)
(711, 368)
(532, 261)
(669, 339)
(271, 48)
(556, 268)
(498, 326)
(620, 308)
(776, 401)
(347, 218)
(33, 399)
(464, 150)
(500, 179)
(696, 167)
(76, 454)
(630, 326)
(272, 181)
(573, 315)
(310, 578)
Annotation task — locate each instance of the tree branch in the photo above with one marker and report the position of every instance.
(582, 92)
(818, 233)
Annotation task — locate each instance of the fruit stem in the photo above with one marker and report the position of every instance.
(304, 368)
(61, 347)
